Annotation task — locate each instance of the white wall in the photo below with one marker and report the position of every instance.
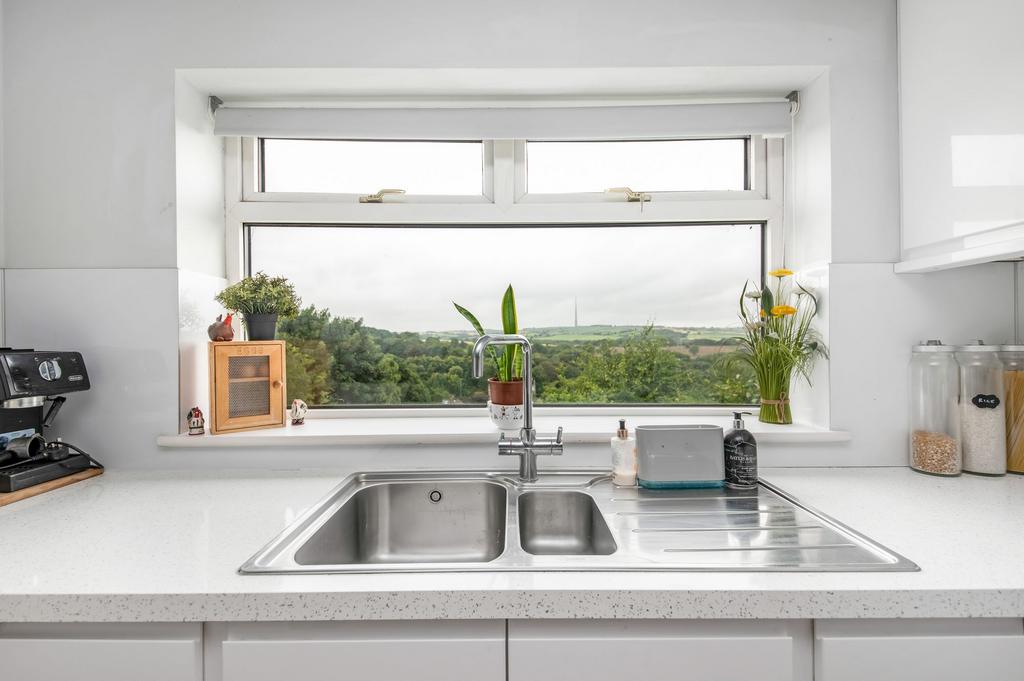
(128, 343)
(809, 231)
(90, 125)
(90, 92)
(199, 177)
(196, 311)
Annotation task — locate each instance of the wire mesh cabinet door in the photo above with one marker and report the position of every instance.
(247, 385)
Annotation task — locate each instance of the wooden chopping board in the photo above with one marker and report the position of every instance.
(10, 497)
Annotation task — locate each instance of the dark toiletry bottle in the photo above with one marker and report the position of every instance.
(740, 455)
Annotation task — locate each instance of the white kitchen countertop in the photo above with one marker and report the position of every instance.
(130, 546)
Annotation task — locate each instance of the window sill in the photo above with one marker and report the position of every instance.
(471, 426)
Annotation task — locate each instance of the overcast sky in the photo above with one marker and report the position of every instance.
(404, 279)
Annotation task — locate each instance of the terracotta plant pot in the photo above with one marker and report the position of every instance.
(505, 392)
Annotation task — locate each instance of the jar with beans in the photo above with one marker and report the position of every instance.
(934, 412)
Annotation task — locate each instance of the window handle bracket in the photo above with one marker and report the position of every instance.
(631, 196)
(379, 196)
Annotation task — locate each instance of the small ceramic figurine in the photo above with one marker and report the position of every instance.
(221, 329)
(196, 422)
(298, 412)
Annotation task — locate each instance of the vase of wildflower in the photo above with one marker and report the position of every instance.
(779, 340)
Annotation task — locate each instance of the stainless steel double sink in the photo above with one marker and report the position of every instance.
(473, 521)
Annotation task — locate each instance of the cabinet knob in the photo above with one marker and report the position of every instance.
(276, 384)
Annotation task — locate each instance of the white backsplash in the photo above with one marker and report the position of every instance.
(877, 316)
(123, 321)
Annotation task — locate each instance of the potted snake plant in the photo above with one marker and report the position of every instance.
(505, 387)
(261, 299)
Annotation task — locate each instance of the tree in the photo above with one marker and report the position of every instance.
(308, 364)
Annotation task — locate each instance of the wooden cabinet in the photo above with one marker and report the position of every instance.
(101, 652)
(918, 650)
(247, 385)
(357, 651)
(612, 650)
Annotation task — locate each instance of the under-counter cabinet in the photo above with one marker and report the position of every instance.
(519, 650)
(659, 650)
(919, 650)
(443, 650)
(101, 652)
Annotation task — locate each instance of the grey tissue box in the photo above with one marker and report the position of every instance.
(684, 456)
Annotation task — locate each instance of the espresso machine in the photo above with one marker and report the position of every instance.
(32, 388)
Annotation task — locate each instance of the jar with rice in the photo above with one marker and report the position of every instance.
(982, 409)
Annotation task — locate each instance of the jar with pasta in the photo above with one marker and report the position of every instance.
(982, 409)
(1012, 357)
(934, 414)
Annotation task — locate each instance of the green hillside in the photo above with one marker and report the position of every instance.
(602, 332)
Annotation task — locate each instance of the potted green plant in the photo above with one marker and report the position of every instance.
(778, 340)
(261, 299)
(506, 386)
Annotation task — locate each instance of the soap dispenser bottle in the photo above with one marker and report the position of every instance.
(623, 457)
(740, 455)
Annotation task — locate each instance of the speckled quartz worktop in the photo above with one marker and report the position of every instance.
(165, 547)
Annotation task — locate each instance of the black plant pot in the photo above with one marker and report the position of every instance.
(261, 326)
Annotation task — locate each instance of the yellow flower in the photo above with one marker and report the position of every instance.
(780, 273)
(783, 310)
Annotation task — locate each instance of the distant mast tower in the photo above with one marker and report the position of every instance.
(575, 313)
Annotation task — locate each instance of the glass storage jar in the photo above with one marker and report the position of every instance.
(934, 415)
(982, 409)
(1012, 357)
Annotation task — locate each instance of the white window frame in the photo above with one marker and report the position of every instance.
(250, 190)
(757, 173)
(504, 201)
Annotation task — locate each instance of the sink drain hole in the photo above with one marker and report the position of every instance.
(434, 496)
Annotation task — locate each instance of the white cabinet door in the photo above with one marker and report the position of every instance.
(919, 650)
(961, 130)
(101, 652)
(658, 650)
(357, 651)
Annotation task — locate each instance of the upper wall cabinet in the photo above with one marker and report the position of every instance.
(962, 132)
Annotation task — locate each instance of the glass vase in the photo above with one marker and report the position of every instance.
(775, 406)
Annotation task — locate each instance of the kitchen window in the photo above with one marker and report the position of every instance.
(363, 167)
(643, 165)
(618, 314)
(627, 302)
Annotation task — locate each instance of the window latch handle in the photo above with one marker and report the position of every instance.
(631, 196)
(379, 196)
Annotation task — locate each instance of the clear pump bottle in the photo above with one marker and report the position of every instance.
(623, 457)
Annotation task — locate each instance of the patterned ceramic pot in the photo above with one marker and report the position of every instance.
(507, 417)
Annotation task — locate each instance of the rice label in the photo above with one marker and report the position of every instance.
(985, 401)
